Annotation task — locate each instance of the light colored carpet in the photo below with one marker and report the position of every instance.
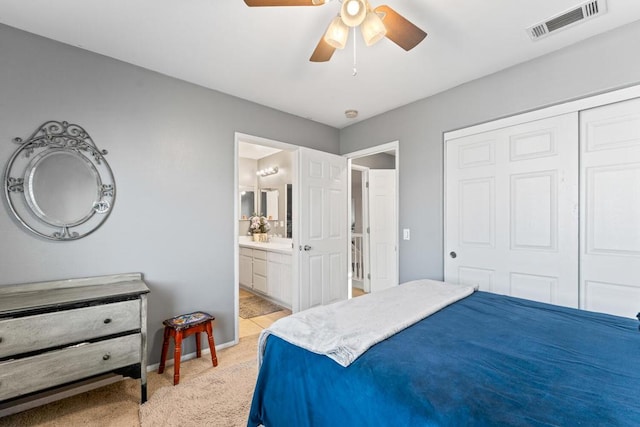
(255, 306)
(221, 398)
(118, 405)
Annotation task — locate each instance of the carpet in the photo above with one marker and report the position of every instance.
(221, 397)
(255, 306)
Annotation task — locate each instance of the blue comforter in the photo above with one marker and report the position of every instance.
(485, 360)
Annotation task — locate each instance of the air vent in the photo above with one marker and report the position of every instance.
(578, 14)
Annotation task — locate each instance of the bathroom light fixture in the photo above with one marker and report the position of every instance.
(267, 171)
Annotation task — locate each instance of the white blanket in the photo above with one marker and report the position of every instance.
(346, 329)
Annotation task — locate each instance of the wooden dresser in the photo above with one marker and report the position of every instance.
(65, 337)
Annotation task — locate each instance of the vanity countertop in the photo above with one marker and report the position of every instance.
(281, 246)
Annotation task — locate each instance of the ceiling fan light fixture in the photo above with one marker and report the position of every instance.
(337, 33)
(373, 29)
(353, 12)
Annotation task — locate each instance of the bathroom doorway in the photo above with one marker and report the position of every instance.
(264, 182)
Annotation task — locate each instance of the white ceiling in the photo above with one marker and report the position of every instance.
(261, 54)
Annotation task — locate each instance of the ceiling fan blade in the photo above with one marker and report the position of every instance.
(258, 3)
(399, 29)
(323, 53)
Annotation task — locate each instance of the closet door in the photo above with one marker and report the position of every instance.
(511, 210)
(610, 206)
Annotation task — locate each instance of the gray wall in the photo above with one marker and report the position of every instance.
(599, 64)
(376, 161)
(279, 181)
(171, 148)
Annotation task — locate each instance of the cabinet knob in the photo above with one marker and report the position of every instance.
(453, 254)
(107, 321)
(106, 357)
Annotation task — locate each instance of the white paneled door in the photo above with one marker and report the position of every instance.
(383, 234)
(511, 210)
(323, 240)
(610, 203)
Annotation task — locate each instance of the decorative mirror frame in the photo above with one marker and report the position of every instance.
(53, 138)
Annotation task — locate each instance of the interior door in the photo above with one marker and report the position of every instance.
(511, 210)
(610, 202)
(383, 233)
(323, 242)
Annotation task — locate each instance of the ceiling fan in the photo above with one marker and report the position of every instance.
(375, 24)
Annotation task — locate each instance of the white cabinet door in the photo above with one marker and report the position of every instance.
(279, 277)
(511, 210)
(274, 276)
(610, 202)
(285, 277)
(246, 270)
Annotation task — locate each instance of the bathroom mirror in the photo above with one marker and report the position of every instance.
(247, 202)
(58, 183)
(269, 203)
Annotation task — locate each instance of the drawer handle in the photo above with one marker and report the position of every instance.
(106, 357)
(107, 321)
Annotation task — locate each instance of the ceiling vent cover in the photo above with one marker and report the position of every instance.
(578, 14)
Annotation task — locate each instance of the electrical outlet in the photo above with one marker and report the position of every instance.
(406, 234)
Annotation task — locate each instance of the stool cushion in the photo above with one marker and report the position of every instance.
(186, 320)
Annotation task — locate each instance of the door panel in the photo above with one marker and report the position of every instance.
(610, 248)
(383, 234)
(511, 210)
(323, 240)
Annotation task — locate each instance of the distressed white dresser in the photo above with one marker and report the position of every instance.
(64, 337)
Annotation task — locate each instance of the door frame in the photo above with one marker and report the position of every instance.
(394, 145)
(252, 139)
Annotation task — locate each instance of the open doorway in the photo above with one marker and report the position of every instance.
(264, 179)
(312, 266)
(374, 219)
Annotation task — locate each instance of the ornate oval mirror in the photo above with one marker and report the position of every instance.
(58, 184)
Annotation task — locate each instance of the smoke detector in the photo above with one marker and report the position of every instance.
(577, 14)
(351, 114)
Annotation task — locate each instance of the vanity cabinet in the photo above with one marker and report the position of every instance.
(266, 271)
(279, 276)
(246, 267)
(253, 269)
(61, 338)
(260, 271)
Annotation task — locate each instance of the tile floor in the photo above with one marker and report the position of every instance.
(255, 325)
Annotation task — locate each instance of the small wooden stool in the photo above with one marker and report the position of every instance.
(181, 327)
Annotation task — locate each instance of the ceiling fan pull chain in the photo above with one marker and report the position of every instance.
(355, 70)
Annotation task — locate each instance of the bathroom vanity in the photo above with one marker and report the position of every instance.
(265, 268)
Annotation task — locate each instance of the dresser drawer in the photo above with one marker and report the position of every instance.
(57, 367)
(24, 334)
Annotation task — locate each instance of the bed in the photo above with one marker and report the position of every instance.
(485, 359)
